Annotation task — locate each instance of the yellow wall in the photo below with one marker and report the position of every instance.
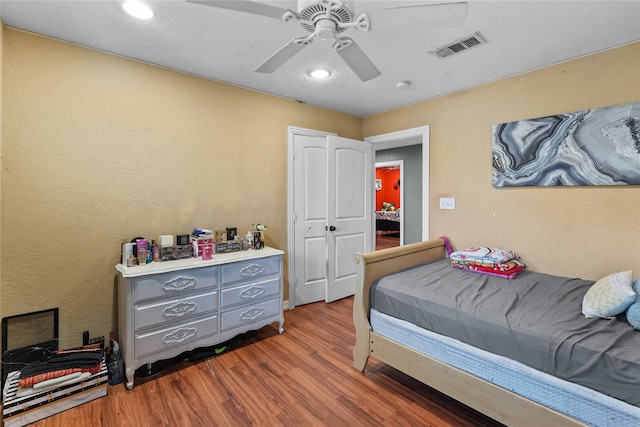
(574, 231)
(1, 167)
(99, 149)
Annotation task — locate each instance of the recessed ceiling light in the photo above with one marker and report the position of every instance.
(138, 9)
(319, 73)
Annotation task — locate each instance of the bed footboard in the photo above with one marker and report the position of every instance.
(372, 266)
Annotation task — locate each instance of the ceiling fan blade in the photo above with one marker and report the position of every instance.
(425, 16)
(356, 59)
(245, 6)
(285, 53)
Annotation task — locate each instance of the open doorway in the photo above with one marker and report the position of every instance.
(415, 186)
(389, 201)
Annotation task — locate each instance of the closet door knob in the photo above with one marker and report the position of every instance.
(332, 228)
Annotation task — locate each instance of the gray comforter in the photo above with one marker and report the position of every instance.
(535, 319)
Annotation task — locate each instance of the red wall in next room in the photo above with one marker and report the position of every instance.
(390, 190)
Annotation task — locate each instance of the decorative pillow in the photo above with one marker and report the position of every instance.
(609, 296)
(633, 312)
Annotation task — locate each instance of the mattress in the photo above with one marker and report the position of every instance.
(534, 319)
(575, 401)
(393, 216)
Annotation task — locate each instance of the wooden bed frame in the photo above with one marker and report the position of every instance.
(496, 402)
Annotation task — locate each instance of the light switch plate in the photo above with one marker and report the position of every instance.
(447, 203)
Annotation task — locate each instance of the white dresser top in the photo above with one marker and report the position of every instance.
(183, 264)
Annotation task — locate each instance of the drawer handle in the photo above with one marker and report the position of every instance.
(179, 309)
(179, 335)
(252, 270)
(252, 314)
(179, 284)
(252, 292)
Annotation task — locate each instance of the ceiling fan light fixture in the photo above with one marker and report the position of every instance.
(326, 29)
(319, 73)
(138, 9)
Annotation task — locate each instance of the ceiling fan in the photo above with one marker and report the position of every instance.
(327, 19)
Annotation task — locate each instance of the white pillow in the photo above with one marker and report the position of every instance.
(609, 296)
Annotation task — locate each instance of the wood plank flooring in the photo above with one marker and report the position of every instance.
(384, 241)
(303, 377)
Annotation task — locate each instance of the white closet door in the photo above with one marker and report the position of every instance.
(349, 214)
(332, 180)
(310, 205)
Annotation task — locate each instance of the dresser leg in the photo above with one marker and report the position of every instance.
(281, 328)
(130, 374)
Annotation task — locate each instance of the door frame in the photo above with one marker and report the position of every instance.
(291, 132)
(402, 138)
(400, 164)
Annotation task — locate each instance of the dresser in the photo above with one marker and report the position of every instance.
(167, 308)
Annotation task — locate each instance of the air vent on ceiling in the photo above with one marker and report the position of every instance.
(460, 45)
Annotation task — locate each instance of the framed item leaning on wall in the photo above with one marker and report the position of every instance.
(27, 338)
(591, 147)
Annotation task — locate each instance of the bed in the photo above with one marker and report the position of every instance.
(388, 221)
(502, 388)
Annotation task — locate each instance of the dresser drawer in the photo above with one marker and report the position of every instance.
(175, 283)
(251, 269)
(250, 292)
(175, 309)
(175, 336)
(250, 313)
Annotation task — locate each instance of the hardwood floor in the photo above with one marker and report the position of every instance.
(386, 241)
(303, 377)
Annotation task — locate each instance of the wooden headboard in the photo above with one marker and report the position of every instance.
(373, 265)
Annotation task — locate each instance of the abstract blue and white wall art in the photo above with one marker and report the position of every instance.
(592, 147)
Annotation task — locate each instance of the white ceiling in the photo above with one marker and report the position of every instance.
(226, 45)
